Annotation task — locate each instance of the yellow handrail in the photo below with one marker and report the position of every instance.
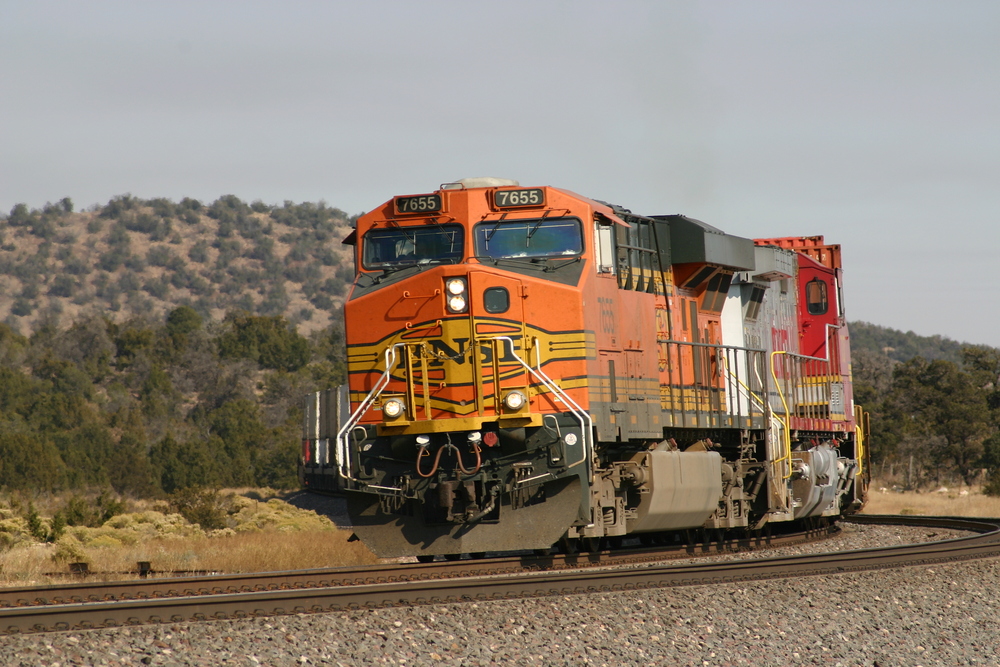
(859, 438)
(787, 436)
(750, 392)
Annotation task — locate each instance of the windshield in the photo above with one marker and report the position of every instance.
(393, 247)
(543, 237)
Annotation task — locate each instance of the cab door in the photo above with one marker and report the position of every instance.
(818, 307)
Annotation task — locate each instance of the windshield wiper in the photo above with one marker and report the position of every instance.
(535, 228)
(402, 230)
(494, 230)
(566, 262)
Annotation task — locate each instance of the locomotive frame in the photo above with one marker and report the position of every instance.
(528, 366)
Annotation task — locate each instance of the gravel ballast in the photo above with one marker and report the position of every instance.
(922, 615)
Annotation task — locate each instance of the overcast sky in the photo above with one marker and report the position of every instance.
(876, 124)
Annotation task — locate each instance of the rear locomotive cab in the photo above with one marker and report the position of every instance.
(467, 302)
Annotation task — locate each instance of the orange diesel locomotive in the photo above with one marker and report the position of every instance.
(529, 367)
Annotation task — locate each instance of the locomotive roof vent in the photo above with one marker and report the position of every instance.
(482, 182)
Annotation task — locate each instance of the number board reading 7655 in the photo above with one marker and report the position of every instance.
(418, 204)
(519, 198)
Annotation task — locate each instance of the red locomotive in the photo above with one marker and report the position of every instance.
(528, 367)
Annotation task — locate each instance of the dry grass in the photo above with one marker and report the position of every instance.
(263, 551)
(263, 534)
(932, 503)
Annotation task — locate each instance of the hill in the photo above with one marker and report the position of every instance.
(135, 257)
(900, 346)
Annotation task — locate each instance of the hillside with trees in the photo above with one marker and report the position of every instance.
(149, 346)
(142, 258)
(935, 407)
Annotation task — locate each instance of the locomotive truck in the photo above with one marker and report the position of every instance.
(528, 367)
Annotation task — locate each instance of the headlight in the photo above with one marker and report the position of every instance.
(393, 408)
(455, 291)
(456, 304)
(515, 400)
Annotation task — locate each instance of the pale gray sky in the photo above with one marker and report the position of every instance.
(876, 124)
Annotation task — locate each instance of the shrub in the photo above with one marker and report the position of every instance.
(118, 236)
(63, 286)
(36, 527)
(22, 307)
(19, 216)
(199, 252)
(992, 485)
(113, 258)
(119, 205)
(267, 340)
(68, 550)
(203, 507)
(135, 263)
(322, 301)
(159, 255)
(163, 207)
(143, 222)
(157, 287)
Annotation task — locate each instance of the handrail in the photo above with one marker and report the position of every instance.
(586, 422)
(748, 392)
(860, 440)
(753, 396)
(343, 445)
(786, 433)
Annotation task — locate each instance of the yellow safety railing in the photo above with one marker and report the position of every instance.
(860, 437)
(785, 432)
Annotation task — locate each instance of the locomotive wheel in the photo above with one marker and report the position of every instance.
(425, 558)
(568, 545)
(477, 555)
(453, 556)
(590, 544)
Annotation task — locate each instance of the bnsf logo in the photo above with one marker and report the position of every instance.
(456, 351)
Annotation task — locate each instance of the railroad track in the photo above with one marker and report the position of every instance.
(238, 596)
(28, 596)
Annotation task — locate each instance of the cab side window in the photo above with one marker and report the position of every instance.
(817, 301)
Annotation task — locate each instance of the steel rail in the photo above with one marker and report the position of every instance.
(985, 543)
(76, 592)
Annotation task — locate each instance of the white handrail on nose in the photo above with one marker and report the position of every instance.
(343, 444)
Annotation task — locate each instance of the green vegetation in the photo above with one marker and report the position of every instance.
(149, 347)
(146, 408)
(935, 407)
